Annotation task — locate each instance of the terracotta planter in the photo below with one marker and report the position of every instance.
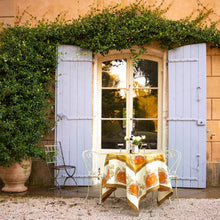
(14, 177)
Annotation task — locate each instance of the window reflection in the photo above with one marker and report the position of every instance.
(145, 103)
(121, 100)
(145, 74)
(113, 103)
(147, 128)
(113, 133)
(114, 73)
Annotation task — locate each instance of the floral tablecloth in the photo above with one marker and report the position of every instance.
(139, 174)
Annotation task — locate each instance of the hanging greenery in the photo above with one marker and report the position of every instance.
(28, 59)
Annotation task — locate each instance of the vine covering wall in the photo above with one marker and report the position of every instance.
(28, 59)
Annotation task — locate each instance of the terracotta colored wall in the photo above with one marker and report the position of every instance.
(213, 116)
(49, 9)
(73, 8)
(7, 11)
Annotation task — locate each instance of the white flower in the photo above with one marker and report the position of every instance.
(138, 138)
(143, 137)
(135, 139)
(126, 138)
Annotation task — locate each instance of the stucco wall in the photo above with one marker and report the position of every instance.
(213, 116)
(49, 9)
(7, 11)
(73, 8)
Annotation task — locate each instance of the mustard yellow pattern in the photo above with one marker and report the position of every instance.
(139, 174)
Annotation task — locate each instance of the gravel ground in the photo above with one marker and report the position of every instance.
(27, 208)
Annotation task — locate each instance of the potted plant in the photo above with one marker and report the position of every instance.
(24, 104)
(22, 126)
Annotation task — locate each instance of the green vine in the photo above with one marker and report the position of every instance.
(28, 61)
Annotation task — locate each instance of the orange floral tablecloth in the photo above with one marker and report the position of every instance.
(139, 174)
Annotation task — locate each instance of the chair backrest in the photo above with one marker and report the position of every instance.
(90, 157)
(173, 158)
(54, 154)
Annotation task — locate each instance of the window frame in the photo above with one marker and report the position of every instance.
(158, 56)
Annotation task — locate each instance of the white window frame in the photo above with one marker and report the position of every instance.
(153, 54)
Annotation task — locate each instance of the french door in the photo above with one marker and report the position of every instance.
(130, 96)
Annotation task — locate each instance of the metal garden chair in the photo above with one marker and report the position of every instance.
(89, 156)
(54, 156)
(173, 158)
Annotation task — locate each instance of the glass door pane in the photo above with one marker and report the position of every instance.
(113, 103)
(114, 95)
(129, 99)
(149, 129)
(113, 133)
(145, 74)
(114, 73)
(145, 101)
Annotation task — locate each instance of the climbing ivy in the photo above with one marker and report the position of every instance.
(124, 28)
(28, 59)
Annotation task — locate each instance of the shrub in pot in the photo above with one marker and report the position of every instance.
(25, 75)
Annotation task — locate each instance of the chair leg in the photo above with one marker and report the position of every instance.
(114, 194)
(176, 188)
(70, 176)
(172, 189)
(72, 179)
(154, 195)
(88, 189)
(75, 182)
(58, 185)
(55, 178)
(100, 192)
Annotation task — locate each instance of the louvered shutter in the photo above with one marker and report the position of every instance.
(74, 106)
(187, 112)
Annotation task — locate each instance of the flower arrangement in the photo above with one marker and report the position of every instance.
(135, 140)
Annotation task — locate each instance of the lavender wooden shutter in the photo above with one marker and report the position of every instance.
(74, 106)
(187, 112)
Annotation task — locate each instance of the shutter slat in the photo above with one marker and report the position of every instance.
(74, 106)
(182, 60)
(187, 112)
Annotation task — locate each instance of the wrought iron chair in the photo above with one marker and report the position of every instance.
(90, 156)
(54, 155)
(173, 158)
